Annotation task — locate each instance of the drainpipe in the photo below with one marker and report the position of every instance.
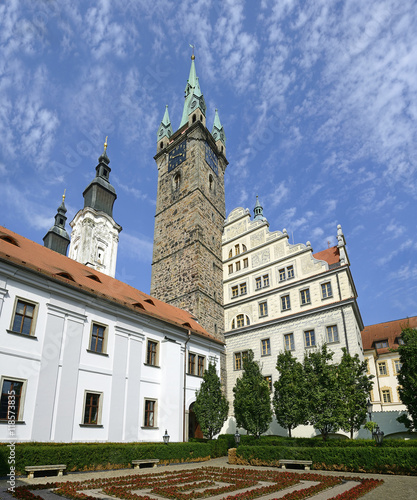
(343, 314)
(185, 383)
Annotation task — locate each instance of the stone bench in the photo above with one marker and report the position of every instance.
(31, 469)
(306, 463)
(149, 462)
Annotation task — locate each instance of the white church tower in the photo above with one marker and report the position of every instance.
(95, 234)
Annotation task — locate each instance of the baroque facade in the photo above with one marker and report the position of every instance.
(280, 296)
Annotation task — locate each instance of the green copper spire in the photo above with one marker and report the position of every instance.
(193, 97)
(258, 211)
(165, 128)
(218, 131)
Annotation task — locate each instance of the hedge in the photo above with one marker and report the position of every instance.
(384, 459)
(98, 456)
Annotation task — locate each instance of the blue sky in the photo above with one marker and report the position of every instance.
(318, 101)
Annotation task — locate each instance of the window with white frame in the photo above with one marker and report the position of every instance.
(92, 408)
(24, 317)
(152, 352)
(397, 366)
(326, 290)
(305, 296)
(310, 338)
(240, 321)
(289, 341)
(285, 303)
(382, 368)
(150, 413)
(263, 309)
(386, 395)
(12, 398)
(265, 347)
(332, 334)
(98, 338)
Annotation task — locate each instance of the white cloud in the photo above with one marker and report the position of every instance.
(136, 247)
(389, 256)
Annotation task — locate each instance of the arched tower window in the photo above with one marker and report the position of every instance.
(194, 118)
(161, 145)
(240, 321)
(211, 182)
(177, 180)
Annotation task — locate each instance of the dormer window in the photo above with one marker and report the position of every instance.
(380, 344)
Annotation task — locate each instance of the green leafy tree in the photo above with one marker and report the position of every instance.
(324, 400)
(370, 426)
(289, 394)
(211, 406)
(407, 377)
(355, 386)
(252, 403)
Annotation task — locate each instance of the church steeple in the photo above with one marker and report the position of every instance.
(258, 211)
(57, 238)
(194, 105)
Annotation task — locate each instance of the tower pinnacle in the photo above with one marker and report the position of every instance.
(258, 211)
(57, 238)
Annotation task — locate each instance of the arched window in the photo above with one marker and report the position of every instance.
(244, 249)
(230, 254)
(194, 118)
(161, 145)
(177, 179)
(240, 321)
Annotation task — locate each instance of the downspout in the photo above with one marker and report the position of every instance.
(185, 381)
(343, 314)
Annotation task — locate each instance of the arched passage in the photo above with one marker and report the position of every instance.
(194, 430)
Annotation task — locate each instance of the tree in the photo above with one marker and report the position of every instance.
(289, 395)
(355, 386)
(252, 403)
(324, 400)
(211, 406)
(407, 378)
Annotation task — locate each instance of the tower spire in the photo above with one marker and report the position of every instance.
(258, 211)
(165, 128)
(57, 238)
(194, 105)
(217, 131)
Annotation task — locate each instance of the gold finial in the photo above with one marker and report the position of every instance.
(63, 196)
(105, 144)
(193, 56)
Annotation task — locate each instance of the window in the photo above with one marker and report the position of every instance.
(386, 395)
(289, 341)
(263, 309)
(305, 296)
(381, 344)
(235, 291)
(246, 263)
(244, 249)
(310, 339)
(397, 366)
(240, 321)
(92, 408)
(258, 283)
(237, 250)
(239, 358)
(285, 303)
(326, 290)
(11, 400)
(290, 272)
(243, 289)
(24, 317)
(177, 179)
(201, 363)
(230, 268)
(210, 182)
(266, 347)
(230, 253)
(98, 338)
(150, 413)
(240, 289)
(152, 353)
(237, 265)
(265, 279)
(332, 334)
(282, 274)
(191, 363)
(382, 368)
(400, 341)
(268, 379)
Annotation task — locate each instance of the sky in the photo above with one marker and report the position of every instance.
(318, 101)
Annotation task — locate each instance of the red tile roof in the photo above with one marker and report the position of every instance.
(26, 253)
(330, 255)
(390, 331)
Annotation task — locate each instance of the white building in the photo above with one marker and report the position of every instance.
(280, 296)
(89, 358)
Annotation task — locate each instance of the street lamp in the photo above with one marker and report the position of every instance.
(237, 437)
(378, 435)
(165, 437)
(369, 408)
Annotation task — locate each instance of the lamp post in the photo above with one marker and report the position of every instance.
(369, 408)
(378, 435)
(237, 437)
(165, 437)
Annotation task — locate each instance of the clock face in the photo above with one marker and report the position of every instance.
(212, 159)
(177, 156)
